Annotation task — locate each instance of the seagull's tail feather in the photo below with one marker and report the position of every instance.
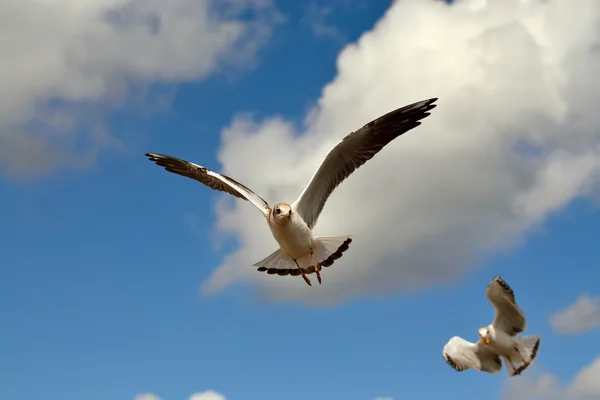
(272, 263)
(510, 368)
(529, 346)
(327, 249)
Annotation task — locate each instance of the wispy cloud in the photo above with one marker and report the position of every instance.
(146, 396)
(316, 17)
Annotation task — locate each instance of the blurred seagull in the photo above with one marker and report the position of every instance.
(497, 339)
(301, 253)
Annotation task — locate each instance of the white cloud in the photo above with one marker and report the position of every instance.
(316, 16)
(581, 316)
(146, 396)
(64, 60)
(514, 139)
(207, 395)
(585, 386)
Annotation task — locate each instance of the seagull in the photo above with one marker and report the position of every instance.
(291, 224)
(499, 339)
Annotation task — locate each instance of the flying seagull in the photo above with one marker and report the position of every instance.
(300, 252)
(499, 339)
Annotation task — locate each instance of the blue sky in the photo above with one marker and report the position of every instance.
(102, 266)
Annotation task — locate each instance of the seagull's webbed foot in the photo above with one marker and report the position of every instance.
(316, 266)
(306, 279)
(303, 274)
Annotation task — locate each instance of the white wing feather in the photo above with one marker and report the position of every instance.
(509, 317)
(210, 178)
(461, 355)
(353, 151)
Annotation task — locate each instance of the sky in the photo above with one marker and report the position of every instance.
(121, 281)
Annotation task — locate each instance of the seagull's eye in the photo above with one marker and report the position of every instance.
(277, 210)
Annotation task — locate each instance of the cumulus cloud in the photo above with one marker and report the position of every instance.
(207, 395)
(64, 63)
(585, 386)
(579, 317)
(514, 139)
(146, 396)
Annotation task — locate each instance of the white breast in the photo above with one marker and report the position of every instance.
(294, 238)
(503, 343)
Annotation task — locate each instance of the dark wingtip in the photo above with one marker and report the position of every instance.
(154, 157)
(410, 114)
(168, 162)
(535, 349)
(429, 105)
(502, 283)
(450, 361)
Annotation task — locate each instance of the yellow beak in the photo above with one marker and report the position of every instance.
(486, 340)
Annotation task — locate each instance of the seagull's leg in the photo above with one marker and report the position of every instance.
(303, 274)
(316, 266)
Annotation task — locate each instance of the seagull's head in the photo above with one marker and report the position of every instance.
(281, 214)
(484, 334)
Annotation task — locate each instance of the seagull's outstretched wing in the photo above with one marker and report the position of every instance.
(509, 317)
(209, 178)
(461, 355)
(353, 151)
